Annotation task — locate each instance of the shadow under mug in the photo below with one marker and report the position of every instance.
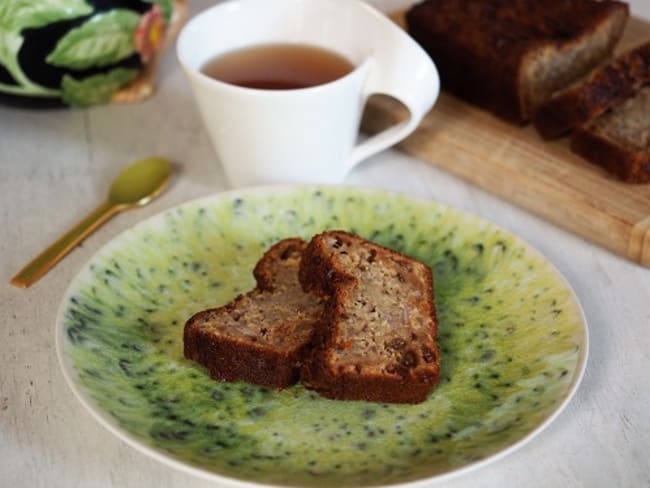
(307, 134)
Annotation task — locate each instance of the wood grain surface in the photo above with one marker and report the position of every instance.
(514, 163)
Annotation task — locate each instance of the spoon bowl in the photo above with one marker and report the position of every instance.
(136, 185)
(140, 182)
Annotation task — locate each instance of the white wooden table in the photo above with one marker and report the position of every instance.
(55, 167)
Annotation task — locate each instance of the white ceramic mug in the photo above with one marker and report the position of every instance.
(308, 134)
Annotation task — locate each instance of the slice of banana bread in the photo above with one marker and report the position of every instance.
(510, 56)
(261, 336)
(619, 140)
(377, 339)
(601, 90)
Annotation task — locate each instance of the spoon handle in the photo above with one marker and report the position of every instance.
(53, 254)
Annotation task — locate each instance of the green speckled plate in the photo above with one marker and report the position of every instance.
(512, 335)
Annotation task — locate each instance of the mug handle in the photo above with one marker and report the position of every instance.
(404, 71)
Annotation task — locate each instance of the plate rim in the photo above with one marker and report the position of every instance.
(110, 424)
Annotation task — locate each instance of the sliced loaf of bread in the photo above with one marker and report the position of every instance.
(510, 56)
(619, 140)
(260, 337)
(588, 99)
(377, 338)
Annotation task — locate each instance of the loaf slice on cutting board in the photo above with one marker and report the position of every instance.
(601, 90)
(377, 338)
(510, 56)
(260, 337)
(619, 140)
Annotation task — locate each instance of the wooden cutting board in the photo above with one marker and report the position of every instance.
(517, 165)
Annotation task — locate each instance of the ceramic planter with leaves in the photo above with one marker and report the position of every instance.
(83, 52)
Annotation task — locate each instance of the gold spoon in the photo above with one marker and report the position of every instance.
(136, 185)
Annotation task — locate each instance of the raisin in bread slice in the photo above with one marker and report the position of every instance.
(619, 140)
(260, 337)
(600, 91)
(377, 339)
(510, 56)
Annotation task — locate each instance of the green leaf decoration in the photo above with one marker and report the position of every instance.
(95, 89)
(16, 15)
(10, 44)
(167, 7)
(104, 39)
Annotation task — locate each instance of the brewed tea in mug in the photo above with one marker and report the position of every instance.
(339, 54)
(278, 66)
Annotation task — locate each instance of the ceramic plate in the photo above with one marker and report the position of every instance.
(512, 335)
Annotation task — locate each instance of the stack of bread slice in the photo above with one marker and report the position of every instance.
(550, 63)
(608, 114)
(351, 319)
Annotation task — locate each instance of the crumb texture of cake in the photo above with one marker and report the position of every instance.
(377, 339)
(619, 140)
(590, 98)
(510, 56)
(260, 337)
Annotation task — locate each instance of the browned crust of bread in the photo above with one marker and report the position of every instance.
(604, 87)
(237, 358)
(483, 48)
(625, 163)
(406, 384)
